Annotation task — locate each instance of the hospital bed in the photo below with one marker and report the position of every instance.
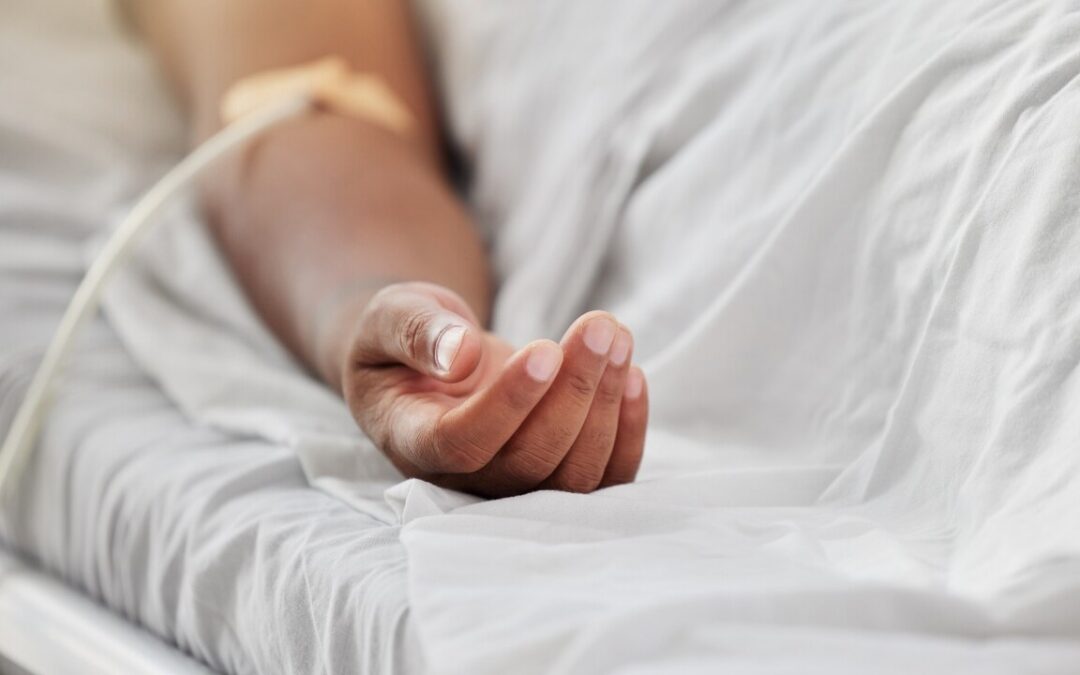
(862, 515)
(47, 627)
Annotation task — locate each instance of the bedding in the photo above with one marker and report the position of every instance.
(844, 235)
(213, 542)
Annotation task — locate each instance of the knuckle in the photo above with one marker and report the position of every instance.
(530, 466)
(523, 476)
(581, 386)
(549, 447)
(412, 334)
(608, 394)
(578, 478)
(596, 441)
(460, 454)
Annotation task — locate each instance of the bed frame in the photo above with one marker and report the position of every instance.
(47, 627)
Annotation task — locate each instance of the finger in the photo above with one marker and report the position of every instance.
(583, 467)
(413, 326)
(467, 437)
(630, 439)
(546, 436)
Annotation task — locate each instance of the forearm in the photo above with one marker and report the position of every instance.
(319, 213)
(325, 211)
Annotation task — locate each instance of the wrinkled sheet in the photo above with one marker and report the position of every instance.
(214, 542)
(845, 237)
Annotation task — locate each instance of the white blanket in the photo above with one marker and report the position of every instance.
(845, 235)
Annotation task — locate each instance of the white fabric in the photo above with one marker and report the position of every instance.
(845, 237)
(214, 542)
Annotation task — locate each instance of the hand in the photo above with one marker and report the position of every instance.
(455, 405)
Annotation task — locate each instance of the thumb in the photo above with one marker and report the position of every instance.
(412, 325)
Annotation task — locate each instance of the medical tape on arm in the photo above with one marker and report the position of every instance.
(250, 107)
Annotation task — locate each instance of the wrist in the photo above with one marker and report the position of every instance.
(337, 323)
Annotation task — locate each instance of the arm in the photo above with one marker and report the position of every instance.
(356, 253)
(326, 208)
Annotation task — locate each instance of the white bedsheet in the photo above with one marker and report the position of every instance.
(214, 542)
(845, 236)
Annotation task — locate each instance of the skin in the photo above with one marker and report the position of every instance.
(350, 243)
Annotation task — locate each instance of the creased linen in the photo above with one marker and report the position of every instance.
(212, 540)
(845, 237)
(848, 256)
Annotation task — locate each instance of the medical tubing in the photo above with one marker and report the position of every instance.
(20, 440)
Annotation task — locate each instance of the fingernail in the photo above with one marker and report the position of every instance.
(446, 347)
(635, 382)
(598, 335)
(620, 351)
(543, 361)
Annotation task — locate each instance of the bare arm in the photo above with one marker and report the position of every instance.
(321, 213)
(321, 218)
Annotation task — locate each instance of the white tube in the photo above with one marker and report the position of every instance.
(21, 437)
